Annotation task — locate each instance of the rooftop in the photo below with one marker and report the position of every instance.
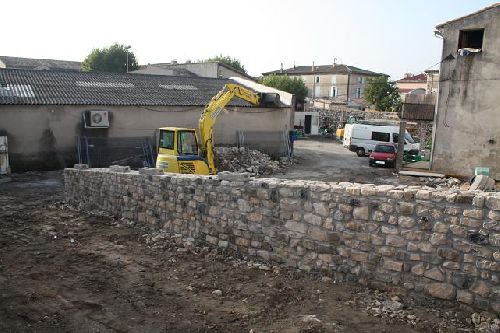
(410, 78)
(32, 87)
(324, 69)
(495, 6)
(39, 64)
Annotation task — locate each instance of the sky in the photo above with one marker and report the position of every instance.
(388, 36)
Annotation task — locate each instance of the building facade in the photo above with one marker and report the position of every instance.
(43, 112)
(467, 120)
(339, 83)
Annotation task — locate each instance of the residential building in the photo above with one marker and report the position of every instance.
(42, 112)
(38, 64)
(213, 69)
(412, 84)
(339, 83)
(467, 121)
(432, 81)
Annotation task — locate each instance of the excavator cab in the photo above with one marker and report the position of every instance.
(178, 152)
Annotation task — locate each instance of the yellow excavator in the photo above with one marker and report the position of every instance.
(180, 150)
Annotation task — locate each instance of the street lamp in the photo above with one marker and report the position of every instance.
(127, 48)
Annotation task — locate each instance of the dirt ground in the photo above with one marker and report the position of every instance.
(328, 160)
(65, 271)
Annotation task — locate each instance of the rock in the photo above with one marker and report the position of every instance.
(441, 290)
(150, 171)
(217, 292)
(326, 279)
(391, 305)
(310, 319)
(239, 160)
(483, 183)
(81, 166)
(119, 168)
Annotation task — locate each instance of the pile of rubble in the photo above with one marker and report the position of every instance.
(236, 159)
(443, 182)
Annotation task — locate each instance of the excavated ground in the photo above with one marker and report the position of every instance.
(66, 271)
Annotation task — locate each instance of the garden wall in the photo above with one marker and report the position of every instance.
(442, 243)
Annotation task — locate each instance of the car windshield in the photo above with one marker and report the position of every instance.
(187, 143)
(409, 138)
(384, 149)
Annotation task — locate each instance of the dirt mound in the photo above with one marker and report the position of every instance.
(236, 159)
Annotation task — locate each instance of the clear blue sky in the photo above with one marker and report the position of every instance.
(391, 36)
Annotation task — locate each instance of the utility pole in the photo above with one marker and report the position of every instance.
(401, 145)
(126, 49)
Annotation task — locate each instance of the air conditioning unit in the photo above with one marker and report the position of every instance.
(96, 119)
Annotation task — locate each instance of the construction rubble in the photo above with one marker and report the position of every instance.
(236, 159)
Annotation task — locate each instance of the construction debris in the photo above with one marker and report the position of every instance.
(236, 159)
(483, 182)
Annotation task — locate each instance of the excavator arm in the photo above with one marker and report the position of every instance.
(216, 106)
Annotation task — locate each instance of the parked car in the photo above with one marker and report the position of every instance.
(384, 154)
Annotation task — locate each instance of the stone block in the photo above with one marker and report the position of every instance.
(390, 230)
(480, 288)
(80, 166)
(119, 168)
(441, 227)
(448, 253)
(396, 241)
(493, 203)
(423, 195)
(242, 242)
(406, 221)
(321, 209)
(354, 226)
(150, 171)
(392, 265)
(441, 290)
(317, 233)
(418, 269)
(359, 256)
(451, 265)
(212, 240)
(412, 235)
(312, 219)
(473, 213)
(465, 297)
(438, 239)
(377, 239)
(406, 208)
(434, 274)
(361, 213)
(299, 227)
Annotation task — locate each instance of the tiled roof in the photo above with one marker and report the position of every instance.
(79, 88)
(414, 79)
(40, 64)
(324, 69)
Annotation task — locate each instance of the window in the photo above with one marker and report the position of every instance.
(471, 39)
(187, 143)
(358, 92)
(334, 79)
(166, 139)
(333, 92)
(395, 137)
(360, 79)
(384, 149)
(379, 136)
(317, 79)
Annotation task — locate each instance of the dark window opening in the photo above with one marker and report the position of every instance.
(187, 144)
(166, 139)
(379, 136)
(471, 39)
(384, 149)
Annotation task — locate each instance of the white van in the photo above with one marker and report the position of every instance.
(362, 138)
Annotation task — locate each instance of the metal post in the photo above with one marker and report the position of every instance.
(401, 145)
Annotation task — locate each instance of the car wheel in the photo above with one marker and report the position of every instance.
(360, 152)
(371, 164)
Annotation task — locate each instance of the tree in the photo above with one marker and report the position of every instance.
(383, 94)
(233, 62)
(112, 59)
(292, 85)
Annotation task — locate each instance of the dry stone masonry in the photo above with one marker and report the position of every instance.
(445, 244)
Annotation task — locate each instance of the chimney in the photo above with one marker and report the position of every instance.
(281, 68)
(174, 62)
(312, 67)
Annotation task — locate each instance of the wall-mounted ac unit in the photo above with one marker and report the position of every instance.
(96, 119)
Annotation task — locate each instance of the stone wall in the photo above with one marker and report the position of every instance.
(442, 243)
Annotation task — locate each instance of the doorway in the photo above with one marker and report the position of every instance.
(307, 124)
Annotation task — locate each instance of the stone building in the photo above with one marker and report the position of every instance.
(339, 83)
(467, 119)
(43, 112)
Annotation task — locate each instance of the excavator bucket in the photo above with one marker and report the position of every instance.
(270, 100)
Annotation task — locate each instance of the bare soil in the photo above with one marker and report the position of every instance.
(66, 271)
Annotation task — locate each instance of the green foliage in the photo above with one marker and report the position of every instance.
(112, 59)
(233, 62)
(292, 85)
(382, 93)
